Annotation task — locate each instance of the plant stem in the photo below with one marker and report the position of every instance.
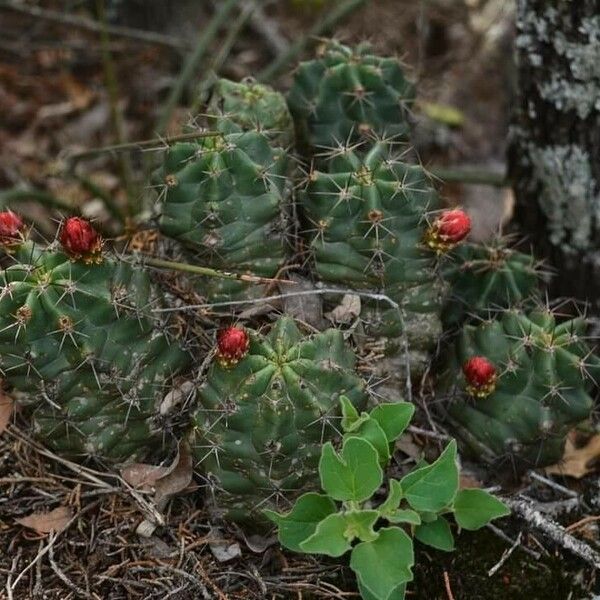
(112, 87)
(324, 25)
(148, 37)
(193, 60)
(44, 198)
(155, 143)
(471, 176)
(206, 271)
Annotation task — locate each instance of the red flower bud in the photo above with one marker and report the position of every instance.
(481, 376)
(450, 228)
(232, 345)
(80, 240)
(11, 228)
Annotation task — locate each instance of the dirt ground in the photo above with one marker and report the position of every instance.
(61, 94)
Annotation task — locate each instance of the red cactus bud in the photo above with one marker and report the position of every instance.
(450, 228)
(80, 240)
(481, 376)
(232, 345)
(11, 228)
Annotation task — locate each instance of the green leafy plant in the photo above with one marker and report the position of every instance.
(347, 518)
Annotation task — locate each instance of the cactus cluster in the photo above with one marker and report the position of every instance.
(347, 95)
(78, 337)
(488, 278)
(80, 340)
(526, 382)
(224, 198)
(266, 407)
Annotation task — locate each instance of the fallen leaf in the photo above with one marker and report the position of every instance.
(223, 550)
(577, 461)
(407, 445)
(6, 410)
(347, 310)
(173, 398)
(142, 476)
(177, 477)
(55, 520)
(467, 481)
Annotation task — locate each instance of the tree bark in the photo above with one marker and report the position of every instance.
(555, 140)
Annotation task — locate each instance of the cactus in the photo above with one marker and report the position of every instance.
(366, 224)
(346, 95)
(487, 278)
(78, 339)
(224, 198)
(526, 381)
(261, 421)
(253, 107)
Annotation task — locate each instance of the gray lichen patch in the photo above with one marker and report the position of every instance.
(569, 194)
(577, 88)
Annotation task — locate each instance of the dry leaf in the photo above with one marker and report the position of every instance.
(177, 477)
(6, 410)
(55, 520)
(407, 444)
(223, 550)
(347, 310)
(467, 481)
(577, 462)
(142, 476)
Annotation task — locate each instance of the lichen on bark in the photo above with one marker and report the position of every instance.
(555, 137)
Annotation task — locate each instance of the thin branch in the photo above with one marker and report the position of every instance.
(323, 26)
(61, 18)
(116, 119)
(318, 292)
(159, 143)
(193, 61)
(206, 271)
(212, 73)
(471, 176)
(268, 29)
(559, 535)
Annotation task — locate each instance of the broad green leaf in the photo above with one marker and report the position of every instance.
(404, 516)
(334, 534)
(433, 487)
(392, 502)
(398, 593)
(349, 413)
(393, 418)
(328, 537)
(371, 431)
(359, 524)
(301, 522)
(385, 563)
(353, 475)
(437, 534)
(475, 508)
(428, 517)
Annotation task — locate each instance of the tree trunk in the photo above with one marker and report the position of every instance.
(555, 140)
